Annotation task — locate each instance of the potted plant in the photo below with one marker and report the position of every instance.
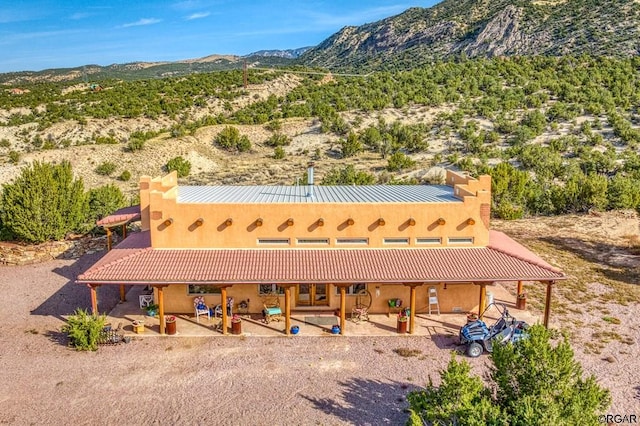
(170, 324)
(521, 301)
(152, 309)
(403, 318)
(236, 324)
(472, 316)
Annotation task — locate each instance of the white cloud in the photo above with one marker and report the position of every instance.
(197, 16)
(143, 21)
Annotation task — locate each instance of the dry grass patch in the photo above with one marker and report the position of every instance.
(407, 352)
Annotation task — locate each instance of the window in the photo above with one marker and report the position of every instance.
(264, 289)
(352, 289)
(434, 240)
(359, 241)
(396, 241)
(461, 240)
(274, 241)
(305, 241)
(203, 289)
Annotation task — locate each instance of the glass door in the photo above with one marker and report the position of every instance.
(312, 295)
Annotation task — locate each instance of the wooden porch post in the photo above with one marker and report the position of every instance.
(161, 308)
(547, 303)
(287, 310)
(223, 296)
(412, 308)
(123, 297)
(482, 305)
(108, 239)
(343, 308)
(94, 298)
(124, 231)
(519, 290)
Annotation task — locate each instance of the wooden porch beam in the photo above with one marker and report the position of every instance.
(343, 308)
(287, 310)
(482, 304)
(223, 297)
(108, 239)
(547, 303)
(161, 308)
(94, 298)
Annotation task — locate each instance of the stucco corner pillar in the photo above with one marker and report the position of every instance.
(547, 303)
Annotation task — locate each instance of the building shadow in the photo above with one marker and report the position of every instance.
(364, 400)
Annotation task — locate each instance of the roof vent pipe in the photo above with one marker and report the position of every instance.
(310, 180)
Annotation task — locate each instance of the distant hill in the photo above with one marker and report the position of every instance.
(485, 28)
(144, 70)
(289, 53)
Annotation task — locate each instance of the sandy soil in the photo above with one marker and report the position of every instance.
(261, 380)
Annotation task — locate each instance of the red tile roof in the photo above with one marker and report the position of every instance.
(121, 216)
(133, 261)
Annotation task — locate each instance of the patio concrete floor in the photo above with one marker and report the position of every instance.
(311, 322)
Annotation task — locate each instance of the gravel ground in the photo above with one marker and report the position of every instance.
(215, 380)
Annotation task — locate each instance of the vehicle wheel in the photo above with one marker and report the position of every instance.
(474, 350)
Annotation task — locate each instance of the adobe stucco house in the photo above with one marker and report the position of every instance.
(316, 246)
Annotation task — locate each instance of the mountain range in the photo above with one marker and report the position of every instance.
(418, 36)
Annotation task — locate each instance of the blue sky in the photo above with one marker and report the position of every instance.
(41, 34)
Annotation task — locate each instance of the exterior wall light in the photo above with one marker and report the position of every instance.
(320, 222)
(168, 222)
(381, 222)
(199, 221)
(412, 221)
(441, 221)
(290, 222)
(228, 222)
(259, 221)
(471, 221)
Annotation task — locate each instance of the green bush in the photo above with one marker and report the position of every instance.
(533, 382)
(399, 161)
(180, 165)
(135, 144)
(103, 201)
(106, 169)
(278, 139)
(83, 330)
(45, 202)
(348, 175)
(229, 138)
(125, 176)
(278, 153)
(14, 157)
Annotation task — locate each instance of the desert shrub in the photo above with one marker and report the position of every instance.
(180, 165)
(135, 144)
(45, 202)
(106, 169)
(348, 175)
(14, 157)
(125, 176)
(4, 143)
(274, 125)
(279, 153)
(278, 139)
(399, 161)
(83, 330)
(351, 145)
(103, 201)
(533, 382)
(229, 138)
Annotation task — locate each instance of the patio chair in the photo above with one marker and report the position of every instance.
(201, 308)
(360, 310)
(271, 311)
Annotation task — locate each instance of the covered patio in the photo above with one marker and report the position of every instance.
(135, 262)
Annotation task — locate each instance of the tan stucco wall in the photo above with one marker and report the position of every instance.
(455, 298)
(233, 225)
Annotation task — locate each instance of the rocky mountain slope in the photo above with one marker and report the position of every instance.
(481, 28)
